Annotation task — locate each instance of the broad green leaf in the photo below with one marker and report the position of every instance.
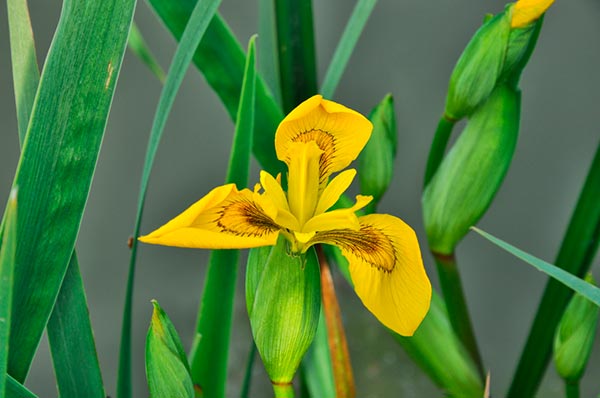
(198, 22)
(72, 341)
(296, 51)
(345, 47)
(54, 180)
(138, 46)
(167, 367)
(8, 248)
(578, 285)
(14, 389)
(220, 58)
(209, 354)
(575, 256)
(26, 74)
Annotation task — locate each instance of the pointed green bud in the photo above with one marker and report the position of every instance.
(376, 161)
(574, 337)
(479, 67)
(167, 366)
(283, 297)
(469, 176)
(497, 54)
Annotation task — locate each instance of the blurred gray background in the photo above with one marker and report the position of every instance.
(408, 48)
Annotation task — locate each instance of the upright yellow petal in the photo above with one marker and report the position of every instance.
(525, 12)
(303, 179)
(340, 132)
(223, 219)
(386, 269)
(334, 190)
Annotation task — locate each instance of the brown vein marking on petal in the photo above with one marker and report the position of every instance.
(326, 142)
(369, 244)
(243, 217)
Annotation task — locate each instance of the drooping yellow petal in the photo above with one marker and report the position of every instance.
(223, 219)
(525, 12)
(386, 269)
(303, 179)
(334, 190)
(340, 132)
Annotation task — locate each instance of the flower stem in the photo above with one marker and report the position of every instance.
(283, 390)
(338, 346)
(457, 306)
(572, 389)
(438, 147)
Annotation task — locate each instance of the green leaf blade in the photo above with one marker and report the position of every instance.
(54, 180)
(341, 56)
(139, 47)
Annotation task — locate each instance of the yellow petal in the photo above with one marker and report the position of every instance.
(528, 11)
(386, 269)
(334, 190)
(303, 179)
(339, 218)
(224, 219)
(339, 131)
(273, 189)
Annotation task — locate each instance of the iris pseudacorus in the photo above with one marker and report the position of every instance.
(316, 140)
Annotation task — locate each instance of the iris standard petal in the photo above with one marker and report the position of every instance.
(387, 270)
(339, 131)
(223, 219)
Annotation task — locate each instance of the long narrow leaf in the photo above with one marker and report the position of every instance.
(138, 46)
(578, 285)
(221, 59)
(14, 389)
(345, 47)
(268, 59)
(72, 342)
(195, 29)
(210, 352)
(69, 329)
(8, 249)
(59, 157)
(26, 75)
(575, 256)
(296, 44)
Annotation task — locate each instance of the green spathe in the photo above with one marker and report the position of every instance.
(469, 176)
(574, 337)
(167, 367)
(376, 161)
(283, 295)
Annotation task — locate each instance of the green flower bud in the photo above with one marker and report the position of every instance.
(376, 161)
(574, 337)
(469, 176)
(496, 54)
(283, 297)
(167, 367)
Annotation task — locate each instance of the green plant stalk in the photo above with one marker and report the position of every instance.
(345, 48)
(83, 64)
(456, 306)
(221, 59)
(285, 390)
(438, 147)
(215, 315)
(296, 43)
(572, 389)
(575, 256)
(245, 392)
(195, 29)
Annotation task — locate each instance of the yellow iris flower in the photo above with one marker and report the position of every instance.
(527, 11)
(315, 140)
